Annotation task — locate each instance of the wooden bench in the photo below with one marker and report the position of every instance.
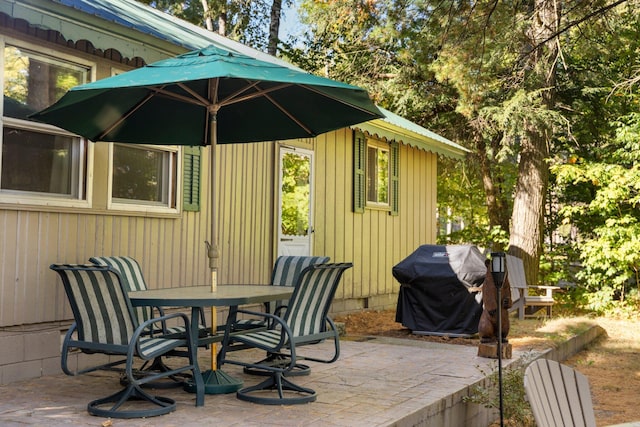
(525, 304)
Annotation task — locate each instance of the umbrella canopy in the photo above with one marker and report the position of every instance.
(206, 97)
(173, 101)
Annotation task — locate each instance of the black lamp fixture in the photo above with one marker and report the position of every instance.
(498, 268)
(498, 271)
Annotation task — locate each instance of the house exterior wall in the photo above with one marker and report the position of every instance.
(170, 247)
(374, 240)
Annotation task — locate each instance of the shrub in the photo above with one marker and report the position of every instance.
(517, 411)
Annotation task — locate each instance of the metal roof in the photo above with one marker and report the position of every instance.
(396, 128)
(147, 20)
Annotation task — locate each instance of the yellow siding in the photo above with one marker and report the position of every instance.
(172, 251)
(374, 241)
(246, 212)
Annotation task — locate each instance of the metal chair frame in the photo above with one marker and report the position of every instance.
(105, 323)
(133, 280)
(286, 271)
(306, 321)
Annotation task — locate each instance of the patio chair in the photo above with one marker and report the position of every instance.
(286, 271)
(524, 304)
(305, 321)
(559, 395)
(105, 323)
(133, 280)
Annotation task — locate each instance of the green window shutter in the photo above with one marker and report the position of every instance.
(191, 179)
(395, 172)
(359, 176)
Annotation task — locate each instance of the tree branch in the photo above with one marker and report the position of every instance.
(576, 22)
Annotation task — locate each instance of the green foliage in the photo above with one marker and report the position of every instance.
(475, 235)
(247, 20)
(560, 265)
(517, 411)
(611, 235)
(468, 71)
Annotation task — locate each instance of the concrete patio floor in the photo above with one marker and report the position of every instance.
(376, 382)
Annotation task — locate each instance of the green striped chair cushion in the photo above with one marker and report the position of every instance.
(129, 269)
(307, 310)
(100, 305)
(131, 276)
(133, 280)
(287, 268)
(285, 273)
(150, 347)
(266, 340)
(311, 299)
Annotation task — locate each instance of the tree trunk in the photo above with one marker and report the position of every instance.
(526, 233)
(274, 27)
(222, 21)
(496, 207)
(533, 174)
(207, 15)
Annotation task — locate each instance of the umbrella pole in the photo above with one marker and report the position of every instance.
(212, 249)
(216, 381)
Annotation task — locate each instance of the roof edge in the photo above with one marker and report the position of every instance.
(396, 128)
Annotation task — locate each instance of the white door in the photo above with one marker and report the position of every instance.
(294, 217)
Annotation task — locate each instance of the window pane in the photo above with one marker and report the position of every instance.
(33, 160)
(377, 175)
(39, 162)
(142, 174)
(383, 176)
(296, 173)
(372, 183)
(33, 82)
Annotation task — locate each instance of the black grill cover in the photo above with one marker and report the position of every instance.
(434, 294)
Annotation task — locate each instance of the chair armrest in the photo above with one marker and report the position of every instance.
(164, 329)
(548, 289)
(273, 321)
(140, 330)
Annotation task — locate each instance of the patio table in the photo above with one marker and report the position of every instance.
(197, 297)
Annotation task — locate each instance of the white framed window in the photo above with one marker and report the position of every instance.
(40, 164)
(143, 178)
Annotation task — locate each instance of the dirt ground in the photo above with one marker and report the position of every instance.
(612, 364)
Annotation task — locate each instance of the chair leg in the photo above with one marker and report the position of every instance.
(130, 394)
(171, 381)
(278, 361)
(277, 382)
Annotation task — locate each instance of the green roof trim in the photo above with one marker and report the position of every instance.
(395, 128)
(162, 26)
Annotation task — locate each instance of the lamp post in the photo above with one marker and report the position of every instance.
(498, 273)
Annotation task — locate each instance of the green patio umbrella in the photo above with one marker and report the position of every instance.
(206, 97)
